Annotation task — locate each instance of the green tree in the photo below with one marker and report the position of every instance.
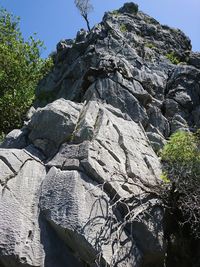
(181, 161)
(20, 70)
(180, 194)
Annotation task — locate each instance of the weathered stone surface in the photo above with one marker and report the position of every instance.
(123, 62)
(113, 151)
(54, 124)
(158, 121)
(119, 97)
(20, 190)
(78, 209)
(157, 140)
(111, 100)
(107, 158)
(15, 139)
(182, 98)
(131, 8)
(110, 146)
(194, 59)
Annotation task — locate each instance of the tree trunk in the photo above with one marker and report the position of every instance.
(87, 22)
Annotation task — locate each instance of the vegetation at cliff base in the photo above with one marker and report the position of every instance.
(20, 70)
(181, 161)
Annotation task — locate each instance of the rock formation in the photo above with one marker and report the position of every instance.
(77, 181)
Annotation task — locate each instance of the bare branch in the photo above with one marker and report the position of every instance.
(84, 7)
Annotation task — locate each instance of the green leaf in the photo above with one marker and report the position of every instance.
(21, 68)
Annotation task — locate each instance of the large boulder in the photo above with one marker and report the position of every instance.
(52, 125)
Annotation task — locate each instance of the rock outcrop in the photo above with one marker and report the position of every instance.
(78, 180)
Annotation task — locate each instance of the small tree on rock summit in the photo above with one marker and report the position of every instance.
(84, 6)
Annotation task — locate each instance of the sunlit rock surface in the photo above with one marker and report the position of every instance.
(77, 181)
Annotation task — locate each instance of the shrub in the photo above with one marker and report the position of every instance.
(150, 45)
(115, 13)
(20, 70)
(173, 58)
(181, 166)
(123, 28)
(182, 148)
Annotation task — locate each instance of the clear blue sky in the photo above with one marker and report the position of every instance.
(54, 20)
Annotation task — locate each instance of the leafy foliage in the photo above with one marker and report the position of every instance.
(181, 161)
(173, 58)
(123, 28)
(182, 149)
(150, 45)
(20, 70)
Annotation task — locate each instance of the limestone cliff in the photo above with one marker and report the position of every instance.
(77, 181)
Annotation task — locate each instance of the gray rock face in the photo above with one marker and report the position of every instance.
(52, 125)
(16, 139)
(105, 167)
(78, 181)
(182, 103)
(105, 144)
(124, 61)
(80, 215)
(108, 151)
(195, 59)
(21, 176)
